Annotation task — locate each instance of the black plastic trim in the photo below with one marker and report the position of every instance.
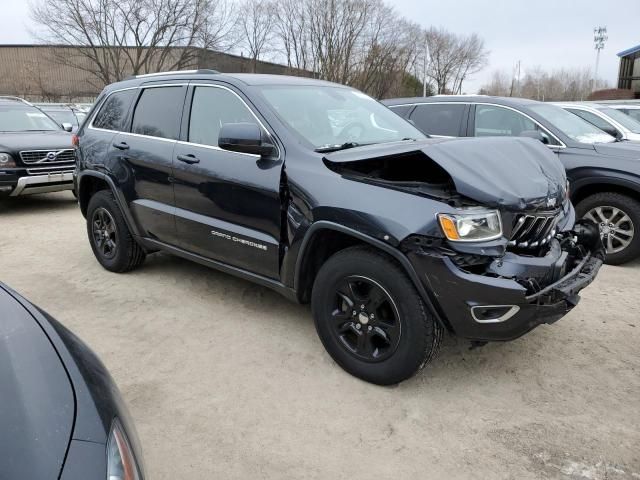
(279, 287)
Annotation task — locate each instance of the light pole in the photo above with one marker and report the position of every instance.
(425, 61)
(599, 38)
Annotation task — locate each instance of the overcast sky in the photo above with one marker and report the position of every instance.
(549, 33)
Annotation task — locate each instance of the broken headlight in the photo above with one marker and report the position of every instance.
(471, 227)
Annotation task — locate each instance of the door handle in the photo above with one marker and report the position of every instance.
(189, 158)
(121, 146)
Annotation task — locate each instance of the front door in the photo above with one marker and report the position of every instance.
(227, 203)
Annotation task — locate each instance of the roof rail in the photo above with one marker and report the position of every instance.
(17, 99)
(176, 72)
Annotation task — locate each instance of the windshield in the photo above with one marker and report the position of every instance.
(63, 116)
(622, 118)
(571, 125)
(330, 116)
(24, 119)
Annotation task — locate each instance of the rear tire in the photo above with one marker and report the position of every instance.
(371, 319)
(623, 213)
(112, 243)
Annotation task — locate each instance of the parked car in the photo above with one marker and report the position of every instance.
(65, 113)
(392, 237)
(604, 173)
(36, 154)
(61, 415)
(629, 109)
(615, 123)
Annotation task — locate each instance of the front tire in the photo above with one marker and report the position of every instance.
(112, 243)
(618, 217)
(371, 319)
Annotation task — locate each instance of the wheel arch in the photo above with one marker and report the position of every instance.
(91, 182)
(324, 238)
(585, 187)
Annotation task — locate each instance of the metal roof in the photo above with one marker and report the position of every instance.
(629, 51)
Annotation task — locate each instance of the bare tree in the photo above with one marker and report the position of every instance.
(292, 32)
(539, 84)
(454, 58)
(123, 37)
(257, 28)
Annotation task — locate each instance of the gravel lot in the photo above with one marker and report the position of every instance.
(226, 379)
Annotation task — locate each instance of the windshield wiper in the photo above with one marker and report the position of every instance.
(335, 148)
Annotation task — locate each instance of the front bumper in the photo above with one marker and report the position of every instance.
(13, 184)
(462, 298)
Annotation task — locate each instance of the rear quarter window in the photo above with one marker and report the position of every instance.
(113, 112)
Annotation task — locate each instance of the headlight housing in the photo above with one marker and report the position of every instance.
(121, 464)
(6, 161)
(471, 227)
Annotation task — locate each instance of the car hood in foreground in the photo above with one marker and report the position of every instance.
(511, 173)
(17, 141)
(37, 404)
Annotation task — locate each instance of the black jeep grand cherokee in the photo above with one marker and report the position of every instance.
(36, 154)
(323, 194)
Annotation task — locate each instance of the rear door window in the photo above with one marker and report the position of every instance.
(441, 119)
(158, 112)
(113, 113)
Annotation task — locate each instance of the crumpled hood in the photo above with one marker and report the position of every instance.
(512, 173)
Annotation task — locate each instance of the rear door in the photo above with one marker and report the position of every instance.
(441, 119)
(227, 203)
(147, 149)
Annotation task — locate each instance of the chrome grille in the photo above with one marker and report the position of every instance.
(530, 231)
(48, 156)
(55, 169)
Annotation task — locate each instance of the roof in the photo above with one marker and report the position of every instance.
(245, 78)
(8, 99)
(460, 98)
(629, 51)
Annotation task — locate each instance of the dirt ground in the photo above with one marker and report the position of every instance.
(226, 379)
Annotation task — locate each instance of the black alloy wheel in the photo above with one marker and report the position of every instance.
(366, 320)
(111, 241)
(105, 235)
(370, 317)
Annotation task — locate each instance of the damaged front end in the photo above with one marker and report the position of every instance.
(507, 279)
(487, 297)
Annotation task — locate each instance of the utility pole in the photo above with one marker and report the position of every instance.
(515, 84)
(599, 39)
(424, 66)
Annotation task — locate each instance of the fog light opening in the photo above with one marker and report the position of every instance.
(493, 313)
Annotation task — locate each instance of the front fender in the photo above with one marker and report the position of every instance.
(586, 179)
(374, 242)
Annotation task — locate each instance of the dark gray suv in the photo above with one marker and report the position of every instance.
(320, 192)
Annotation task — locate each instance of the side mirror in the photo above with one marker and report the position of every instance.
(536, 134)
(67, 127)
(244, 138)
